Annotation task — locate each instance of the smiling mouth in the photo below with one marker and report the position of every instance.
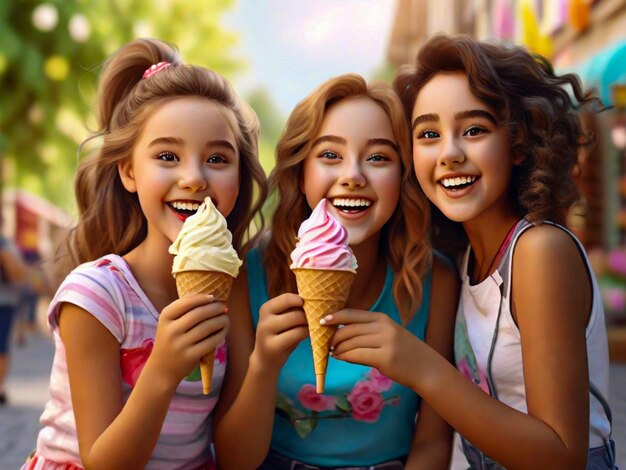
(458, 182)
(184, 209)
(350, 205)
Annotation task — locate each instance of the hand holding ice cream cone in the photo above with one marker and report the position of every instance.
(325, 267)
(205, 262)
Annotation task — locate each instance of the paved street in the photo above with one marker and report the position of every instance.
(27, 390)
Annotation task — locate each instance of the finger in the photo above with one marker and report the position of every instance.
(181, 306)
(276, 324)
(353, 330)
(363, 356)
(281, 303)
(288, 340)
(349, 315)
(208, 328)
(207, 345)
(368, 341)
(199, 314)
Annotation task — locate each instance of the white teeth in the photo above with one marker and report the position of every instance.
(457, 181)
(185, 206)
(345, 202)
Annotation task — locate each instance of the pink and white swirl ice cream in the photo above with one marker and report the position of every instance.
(325, 267)
(323, 243)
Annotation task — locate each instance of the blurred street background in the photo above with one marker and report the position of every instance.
(274, 52)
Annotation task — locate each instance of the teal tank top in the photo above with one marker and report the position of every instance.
(363, 417)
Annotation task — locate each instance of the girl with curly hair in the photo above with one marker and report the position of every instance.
(347, 142)
(123, 389)
(495, 138)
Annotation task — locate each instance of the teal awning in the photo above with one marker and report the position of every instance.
(604, 69)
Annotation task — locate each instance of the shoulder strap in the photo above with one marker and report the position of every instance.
(505, 274)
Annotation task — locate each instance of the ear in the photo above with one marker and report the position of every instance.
(127, 175)
(519, 158)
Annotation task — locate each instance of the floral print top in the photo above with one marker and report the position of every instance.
(362, 418)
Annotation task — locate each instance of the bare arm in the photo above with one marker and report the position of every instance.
(245, 414)
(114, 435)
(551, 295)
(432, 442)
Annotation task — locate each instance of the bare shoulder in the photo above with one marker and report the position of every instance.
(547, 242)
(549, 269)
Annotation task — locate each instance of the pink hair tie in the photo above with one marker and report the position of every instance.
(155, 68)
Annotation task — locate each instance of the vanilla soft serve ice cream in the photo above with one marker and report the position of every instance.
(205, 262)
(205, 243)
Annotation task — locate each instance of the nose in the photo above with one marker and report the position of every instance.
(193, 177)
(352, 177)
(452, 152)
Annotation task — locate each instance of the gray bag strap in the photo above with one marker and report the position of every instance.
(505, 288)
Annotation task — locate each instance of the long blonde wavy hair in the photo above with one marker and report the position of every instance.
(403, 238)
(110, 217)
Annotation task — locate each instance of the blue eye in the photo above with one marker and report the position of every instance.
(216, 158)
(427, 134)
(167, 157)
(329, 155)
(379, 157)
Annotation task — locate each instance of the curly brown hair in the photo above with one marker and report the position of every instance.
(539, 113)
(403, 239)
(110, 217)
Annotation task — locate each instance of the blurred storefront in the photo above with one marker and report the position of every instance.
(587, 37)
(32, 222)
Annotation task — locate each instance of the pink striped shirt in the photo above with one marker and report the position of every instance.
(107, 289)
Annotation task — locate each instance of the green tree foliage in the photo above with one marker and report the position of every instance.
(48, 73)
(271, 125)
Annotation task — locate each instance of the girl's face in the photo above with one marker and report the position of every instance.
(186, 151)
(461, 152)
(354, 163)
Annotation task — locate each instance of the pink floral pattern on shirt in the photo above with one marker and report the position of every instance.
(133, 360)
(365, 403)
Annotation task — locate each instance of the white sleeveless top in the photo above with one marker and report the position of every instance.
(475, 325)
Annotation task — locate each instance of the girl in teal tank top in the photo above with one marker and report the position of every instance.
(346, 142)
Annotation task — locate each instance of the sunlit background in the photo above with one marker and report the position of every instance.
(275, 52)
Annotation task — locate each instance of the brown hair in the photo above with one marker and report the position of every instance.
(110, 217)
(540, 116)
(403, 237)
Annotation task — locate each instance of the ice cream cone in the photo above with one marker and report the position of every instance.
(205, 282)
(323, 291)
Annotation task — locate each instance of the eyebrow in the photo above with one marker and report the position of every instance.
(329, 138)
(177, 141)
(472, 113)
(340, 140)
(387, 142)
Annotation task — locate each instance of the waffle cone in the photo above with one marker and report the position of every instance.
(324, 292)
(205, 282)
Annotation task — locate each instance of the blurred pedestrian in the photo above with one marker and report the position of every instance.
(12, 272)
(31, 288)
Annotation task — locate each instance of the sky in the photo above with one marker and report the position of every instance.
(292, 46)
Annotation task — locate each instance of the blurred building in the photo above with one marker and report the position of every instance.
(32, 222)
(587, 37)
(584, 36)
